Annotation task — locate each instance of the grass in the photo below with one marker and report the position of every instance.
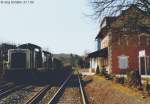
(100, 77)
(123, 89)
(76, 71)
(126, 90)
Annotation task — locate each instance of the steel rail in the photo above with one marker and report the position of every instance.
(38, 96)
(60, 89)
(63, 85)
(5, 88)
(81, 90)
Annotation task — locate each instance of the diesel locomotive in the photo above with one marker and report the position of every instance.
(26, 61)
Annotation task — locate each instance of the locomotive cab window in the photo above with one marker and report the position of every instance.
(18, 60)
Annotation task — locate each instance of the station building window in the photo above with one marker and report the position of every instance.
(143, 40)
(148, 41)
(123, 40)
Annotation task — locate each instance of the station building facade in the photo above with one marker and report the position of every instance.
(127, 36)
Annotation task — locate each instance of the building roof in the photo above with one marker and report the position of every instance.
(99, 53)
(100, 35)
(110, 20)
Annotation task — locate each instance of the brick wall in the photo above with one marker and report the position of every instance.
(129, 46)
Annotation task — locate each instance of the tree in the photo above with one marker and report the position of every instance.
(71, 59)
(113, 7)
(57, 64)
(74, 60)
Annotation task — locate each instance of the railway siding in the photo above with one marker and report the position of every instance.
(65, 91)
(38, 96)
(20, 96)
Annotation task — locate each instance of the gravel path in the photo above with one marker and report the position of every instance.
(101, 91)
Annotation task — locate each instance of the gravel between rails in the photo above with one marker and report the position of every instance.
(49, 95)
(70, 96)
(52, 91)
(19, 97)
(71, 93)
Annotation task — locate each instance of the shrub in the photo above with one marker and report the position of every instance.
(134, 79)
(120, 80)
(147, 87)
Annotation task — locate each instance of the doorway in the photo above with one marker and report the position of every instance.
(144, 65)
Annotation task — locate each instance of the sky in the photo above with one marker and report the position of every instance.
(60, 26)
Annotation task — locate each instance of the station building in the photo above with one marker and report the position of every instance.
(126, 36)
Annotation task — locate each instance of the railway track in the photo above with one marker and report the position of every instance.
(70, 92)
(6, 91)
(6, 85)
(36, 98)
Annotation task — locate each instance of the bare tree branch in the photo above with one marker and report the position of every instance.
(112, 7)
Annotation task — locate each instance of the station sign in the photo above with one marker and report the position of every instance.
(123, 62)
(142, 53)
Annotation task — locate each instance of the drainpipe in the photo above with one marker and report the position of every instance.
(90, 65)
(145, 65)
(139, 65)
